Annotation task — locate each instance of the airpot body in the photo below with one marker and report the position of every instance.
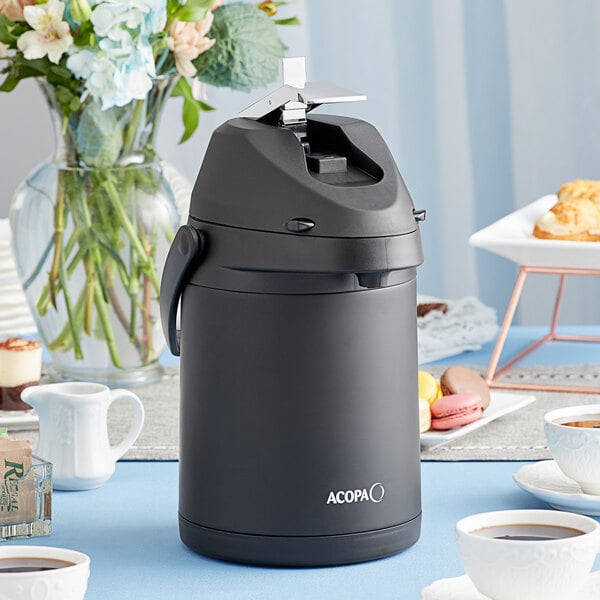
(296, 272)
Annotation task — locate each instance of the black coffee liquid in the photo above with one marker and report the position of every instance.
(586, 421)
(28, 565)
(528, 533)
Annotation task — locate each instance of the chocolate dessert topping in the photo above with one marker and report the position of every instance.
(423, 309)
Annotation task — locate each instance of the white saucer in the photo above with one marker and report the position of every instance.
(547, 482)
(461, 588)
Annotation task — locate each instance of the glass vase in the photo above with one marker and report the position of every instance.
(91, 229)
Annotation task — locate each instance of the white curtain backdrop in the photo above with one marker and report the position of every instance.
(486, 105)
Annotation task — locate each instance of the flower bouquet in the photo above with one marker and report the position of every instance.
(92, 226)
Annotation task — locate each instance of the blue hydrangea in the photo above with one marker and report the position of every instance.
(121, 67)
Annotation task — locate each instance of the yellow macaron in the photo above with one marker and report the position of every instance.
(429, 388)
(424, 416)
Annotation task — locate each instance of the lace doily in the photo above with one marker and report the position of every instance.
(467, 325)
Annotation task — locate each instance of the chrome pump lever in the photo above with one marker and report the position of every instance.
(296, 96)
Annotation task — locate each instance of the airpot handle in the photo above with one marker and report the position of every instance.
(182, 256)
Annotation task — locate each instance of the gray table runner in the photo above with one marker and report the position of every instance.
(517, 436)
(520, 435)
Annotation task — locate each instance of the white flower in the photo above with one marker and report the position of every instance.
(3, 50)
(50, 36)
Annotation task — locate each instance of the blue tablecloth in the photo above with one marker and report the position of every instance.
(129, 527)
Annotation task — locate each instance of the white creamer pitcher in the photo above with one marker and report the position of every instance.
(74, 432)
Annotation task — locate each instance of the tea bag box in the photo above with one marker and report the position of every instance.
(299, 413)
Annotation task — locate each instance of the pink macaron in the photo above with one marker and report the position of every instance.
(455, 411)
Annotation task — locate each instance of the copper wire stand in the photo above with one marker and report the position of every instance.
(494, 372)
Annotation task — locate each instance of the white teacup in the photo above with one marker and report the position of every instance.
(506, 569)
(576, 450)
(63, 583)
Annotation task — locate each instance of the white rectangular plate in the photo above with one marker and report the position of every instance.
(16, 419)
(512, 237)
(501, 403)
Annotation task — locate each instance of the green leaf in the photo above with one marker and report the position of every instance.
(189, 14)
(84, 36)
(9, 84)
(182, 88)
(289, 21)
(58, 75)
(68, 99)
(20, 68)
(193, 10)
(5, 35)
(205, 107)
(191, 108)
(246, 52)
(172, 7)
(10, 31)
(38, 66)
(191, 118)
(99, 137)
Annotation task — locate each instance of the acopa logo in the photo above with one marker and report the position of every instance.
(373, 494)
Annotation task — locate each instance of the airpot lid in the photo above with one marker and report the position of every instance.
(276, 169)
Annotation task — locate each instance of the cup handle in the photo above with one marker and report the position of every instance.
(136, 427)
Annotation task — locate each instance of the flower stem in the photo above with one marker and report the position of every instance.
(133, 291)
(117, 205)
(93, 246)
(89, 294)
(64, 340)
(62, 276)
(146, 309)
(116, 304)
(147, 302)
(43, 303)
(106, 326)
(133, 128)
(59, 228)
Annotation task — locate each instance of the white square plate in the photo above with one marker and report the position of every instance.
(501, 404)
(16, 420)
(512, 237)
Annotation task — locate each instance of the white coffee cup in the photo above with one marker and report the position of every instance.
(503, 569)
(73, 431)
(65, 583)
(576, 450)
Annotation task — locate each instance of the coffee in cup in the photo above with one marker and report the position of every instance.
(31, 564)
(532, 554)
(573, 436)
(528, 532)
(57, 573)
